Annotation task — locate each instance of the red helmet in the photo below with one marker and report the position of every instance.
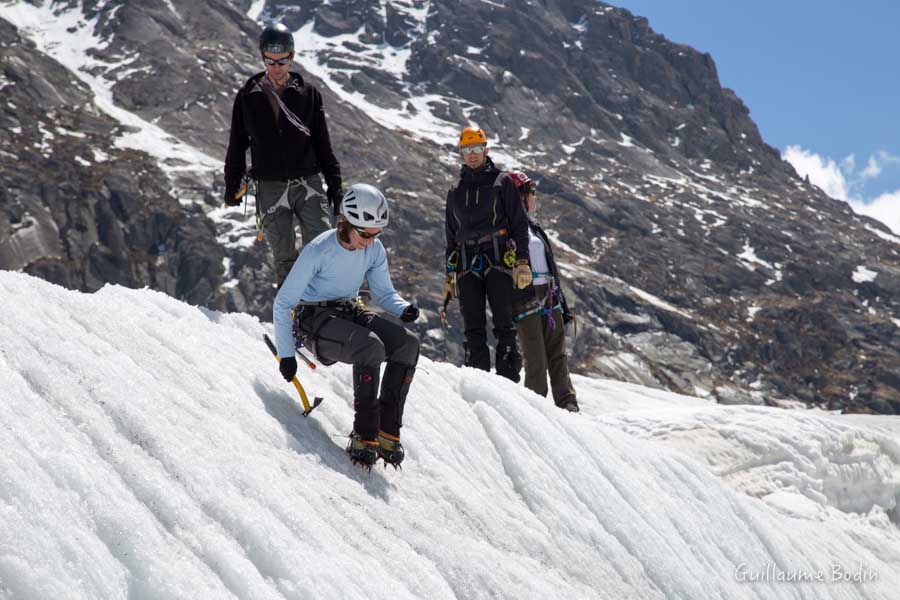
(522, 181)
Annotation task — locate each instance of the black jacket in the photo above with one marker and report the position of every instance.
(482, 202)
(527, 297)
(279, 150)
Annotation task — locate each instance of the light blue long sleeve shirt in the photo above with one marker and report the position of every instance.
(325, 270)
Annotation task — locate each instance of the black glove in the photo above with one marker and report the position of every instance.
(230, 199)
(288, 368)
(410, 314)
(335, 194)
(568, 317)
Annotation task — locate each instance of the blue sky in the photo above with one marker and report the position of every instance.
(820, 80)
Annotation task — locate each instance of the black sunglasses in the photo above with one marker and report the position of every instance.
(278, 61)
(366, 235)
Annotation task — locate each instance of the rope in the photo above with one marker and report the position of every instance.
(291, 117)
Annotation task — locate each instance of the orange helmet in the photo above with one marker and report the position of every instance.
(472, 137)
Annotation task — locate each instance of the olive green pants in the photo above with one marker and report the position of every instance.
(544, 351)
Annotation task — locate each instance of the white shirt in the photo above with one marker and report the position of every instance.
(537, 253)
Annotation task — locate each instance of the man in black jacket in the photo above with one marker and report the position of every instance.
(487, 254)
(282, 120)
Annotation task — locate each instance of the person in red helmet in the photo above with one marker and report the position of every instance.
(486, 254)
(540, 311)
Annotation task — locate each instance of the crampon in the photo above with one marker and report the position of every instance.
(390, 449)
(363, 453)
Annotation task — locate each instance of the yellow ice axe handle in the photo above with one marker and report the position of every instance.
(306, 407)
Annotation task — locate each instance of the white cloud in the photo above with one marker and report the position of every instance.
(885, 208)
(872, 170)
(833, 180)
(823, 173)
(848, 165)
(875, 166)
(887, 157)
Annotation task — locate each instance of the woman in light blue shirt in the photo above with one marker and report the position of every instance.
(321, 290)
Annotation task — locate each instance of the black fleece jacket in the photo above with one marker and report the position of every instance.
(279, 150)
(482, 202)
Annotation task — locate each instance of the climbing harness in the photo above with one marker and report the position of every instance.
(283, 202)
(545, 307)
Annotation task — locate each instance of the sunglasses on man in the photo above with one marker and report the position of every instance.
(472, 150)
(278, 61)
(366, 235)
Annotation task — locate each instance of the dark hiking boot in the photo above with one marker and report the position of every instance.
(363, 453)
(394, 389)
(365, 402)
(390, 449)
(477, 356)
(570, 404)
(508, 361)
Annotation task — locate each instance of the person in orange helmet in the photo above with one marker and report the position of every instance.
(486, 254)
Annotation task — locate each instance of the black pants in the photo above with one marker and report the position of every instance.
(365, 340)
(475, 291)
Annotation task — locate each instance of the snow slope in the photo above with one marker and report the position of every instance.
(149, 449)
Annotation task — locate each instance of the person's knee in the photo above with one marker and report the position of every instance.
(408, 352)
(369, 351)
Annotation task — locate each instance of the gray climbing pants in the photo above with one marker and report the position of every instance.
(277, 203)
(351, 335)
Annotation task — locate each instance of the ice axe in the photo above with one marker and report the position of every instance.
(318, 399)
(449, 294)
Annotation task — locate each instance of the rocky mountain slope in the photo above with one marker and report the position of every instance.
(696, 259)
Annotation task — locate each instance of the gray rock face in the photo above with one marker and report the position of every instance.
(75, 209)
(695, 258)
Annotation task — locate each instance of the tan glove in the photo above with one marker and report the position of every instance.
(522, 274)
(450, 286)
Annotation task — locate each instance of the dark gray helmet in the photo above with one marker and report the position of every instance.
(275, 39)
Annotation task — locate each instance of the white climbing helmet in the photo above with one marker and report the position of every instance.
(364, 206)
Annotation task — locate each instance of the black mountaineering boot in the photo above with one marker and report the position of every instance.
(363, 453)
(394, 388)
(390, 449)
(508, 361)
(477, 355)
(570, 405)
(365, 402)
(363, 447)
